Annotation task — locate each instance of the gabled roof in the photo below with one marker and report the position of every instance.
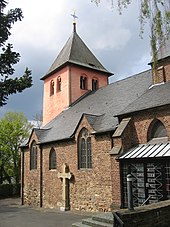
(76, 52)
(157, 96)
(103, 103)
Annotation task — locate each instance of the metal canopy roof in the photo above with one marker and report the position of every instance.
(148, 151)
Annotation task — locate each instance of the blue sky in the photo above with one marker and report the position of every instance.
(113, 38)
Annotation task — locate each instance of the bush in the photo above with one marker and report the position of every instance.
(9, 190)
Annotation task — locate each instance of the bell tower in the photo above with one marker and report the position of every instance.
(75, 72)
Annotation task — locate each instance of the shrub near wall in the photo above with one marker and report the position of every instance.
(9, 190)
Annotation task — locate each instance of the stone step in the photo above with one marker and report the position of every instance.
(104, 217)
(94, 223)
(79, 224)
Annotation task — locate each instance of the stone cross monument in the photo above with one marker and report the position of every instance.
(65, 176)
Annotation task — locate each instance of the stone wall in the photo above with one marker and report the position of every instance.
(31, 178)
(89, 189)
(143, 120)
(156, 215)
(163, 72)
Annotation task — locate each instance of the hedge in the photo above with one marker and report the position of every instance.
(9, 190)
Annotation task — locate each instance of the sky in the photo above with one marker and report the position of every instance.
(47, 25)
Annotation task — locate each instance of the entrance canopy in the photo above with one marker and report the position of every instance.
(147, 151)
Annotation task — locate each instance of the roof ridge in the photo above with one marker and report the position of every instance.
(72, 36)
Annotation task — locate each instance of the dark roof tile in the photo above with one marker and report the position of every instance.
(158, 95)
(103, 103)
(72, 53)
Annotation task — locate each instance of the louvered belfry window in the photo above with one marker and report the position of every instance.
(84, 150)
(52, 159)
(33, 156)
(94, 84)
(83, 82)
(51, 87)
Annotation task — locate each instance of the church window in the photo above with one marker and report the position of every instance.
(58, 84)
(83, 82)
(52, 87)
(84, 150)
(94, 84)
(52, 159)
(156, 130)
(33, 156)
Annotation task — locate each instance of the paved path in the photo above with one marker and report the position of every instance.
(12, 214)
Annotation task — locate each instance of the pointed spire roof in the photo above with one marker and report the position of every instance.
(76, 52)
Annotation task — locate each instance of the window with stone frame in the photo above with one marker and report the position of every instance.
(94, 84)
(84, 150)
(83, 82)
(33, 156)
(58, 84)
(157, 130)
(52, 159)
(51, 87)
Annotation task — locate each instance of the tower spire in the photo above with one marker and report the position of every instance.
(74, 21)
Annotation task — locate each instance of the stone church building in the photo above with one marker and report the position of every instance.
(95, 133)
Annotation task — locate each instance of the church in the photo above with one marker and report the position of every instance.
(95, 133)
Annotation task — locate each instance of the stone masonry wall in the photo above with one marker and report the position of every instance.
(156, 215)
(143, 120)
(90, 189)
(31, 178)
(163, 72)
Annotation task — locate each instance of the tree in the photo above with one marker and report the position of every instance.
(157, 14)
(14, 130)
(8, 57)
(38, 119)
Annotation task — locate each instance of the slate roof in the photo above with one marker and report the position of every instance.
(72, 53)
(99, 107)
(156, 96)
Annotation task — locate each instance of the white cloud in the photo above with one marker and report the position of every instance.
(48, 24)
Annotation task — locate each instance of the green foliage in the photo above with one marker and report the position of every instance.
(155, 13)
(8, 57)
(14, 130)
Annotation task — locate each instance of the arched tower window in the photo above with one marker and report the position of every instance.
(156, 130)
(33, 156)
(83, 82)
(94, 84)
(52, 159)
(84, 150)
(58, 84)
(51, 87)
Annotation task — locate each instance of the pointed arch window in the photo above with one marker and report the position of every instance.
(83, 82)
(33, 156)
(156, 130)
(52, 159)
(84, 150)
(52, 87)
(94, 84)
(58, 84)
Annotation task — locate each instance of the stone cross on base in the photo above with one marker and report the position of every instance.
(65, 176)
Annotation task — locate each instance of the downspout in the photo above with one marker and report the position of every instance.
(41, 176)
(22, 176)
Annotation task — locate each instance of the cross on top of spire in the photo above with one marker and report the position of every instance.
(74, 22)
(74, 16)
